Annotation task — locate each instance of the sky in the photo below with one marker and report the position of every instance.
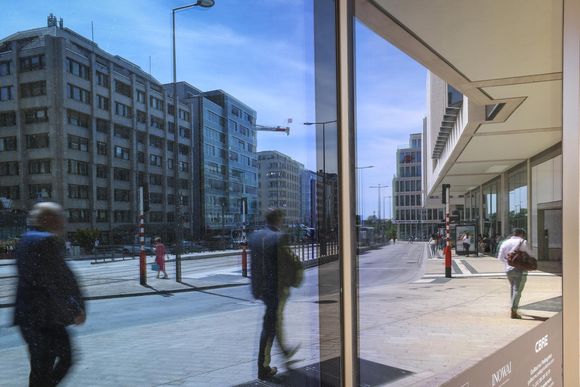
(261, 52)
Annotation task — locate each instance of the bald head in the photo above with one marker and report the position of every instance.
(47, 216)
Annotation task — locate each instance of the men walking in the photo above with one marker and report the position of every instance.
(516, 277)
(274, 268)
(48, 297)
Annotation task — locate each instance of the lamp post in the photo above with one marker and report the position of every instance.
(177, 216)
(360, 201)
(322, 240)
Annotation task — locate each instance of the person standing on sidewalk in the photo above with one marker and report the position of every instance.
(160, 257)
(466, 241)
(516, 277)
(274, 269)
(48, 298)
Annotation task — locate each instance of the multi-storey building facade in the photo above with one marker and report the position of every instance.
(308, 188)
(86, 129)
(279, 179)
(225, 143)
(410, 216)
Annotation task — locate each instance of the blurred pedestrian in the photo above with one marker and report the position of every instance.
(48, 298)
(274, 269)
(160, 257)
(516, 277)
(466, 241)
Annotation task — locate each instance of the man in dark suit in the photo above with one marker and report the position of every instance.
(48, 298)
(274, 269)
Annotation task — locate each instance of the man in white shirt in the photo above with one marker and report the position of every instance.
(516, 277)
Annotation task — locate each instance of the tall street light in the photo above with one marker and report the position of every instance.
(324, 222)
(177, 216)
(360, 201)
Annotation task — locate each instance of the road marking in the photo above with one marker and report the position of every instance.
(462, 268)
(424, 281)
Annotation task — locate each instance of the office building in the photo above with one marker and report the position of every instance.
(279, 179)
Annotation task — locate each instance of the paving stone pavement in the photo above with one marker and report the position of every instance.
(434, 327)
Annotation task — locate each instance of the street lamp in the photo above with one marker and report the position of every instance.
(324, 222)
(177, 217)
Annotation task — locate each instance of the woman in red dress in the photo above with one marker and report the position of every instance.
(160, 257)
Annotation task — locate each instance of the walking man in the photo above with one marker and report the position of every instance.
(48, 298)
(274, 268)
(516, 277)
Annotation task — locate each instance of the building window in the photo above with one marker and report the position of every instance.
(171, 127)
(102, 148)
(102, 193)
(183, 149)
(155, 142)
(102, 171)
(184, 132)
(7, 118)
(155, 103)
(156, 216)
(33, 89)
(170, 109)
(79, 215)
(123, 88)
(78, 94)
(103, 126)
(156, 198)
(102, 79)
(78, 69)
(122, 216)
(76, 167)
(38, 191)
(184, 115)
(122, 131)
(31, 63)
(123, 110)
(103, 102)
(5, 68)
(8, 144)
(155, 160)
(140, 96)
(122, 153)
(10, 192)
(155, 179)
(121, 174)
(141, 157)
(141, 117)
(122, 195)
(76, 191)
(37, 141)
(5, 93)
(78, 119)
(183, 166)
(157, 122)
(78, 143)
(9, 168)
(102, 216)
(39, 167)
(35, 115)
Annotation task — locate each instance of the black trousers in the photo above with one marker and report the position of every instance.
(272, 328)
(50, 354)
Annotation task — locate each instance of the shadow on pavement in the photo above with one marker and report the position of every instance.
(327, 374)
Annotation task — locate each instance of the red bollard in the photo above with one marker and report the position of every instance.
(244, 260)
(142, 268)
(447, 262)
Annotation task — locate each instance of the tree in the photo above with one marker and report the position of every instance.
(86, 238)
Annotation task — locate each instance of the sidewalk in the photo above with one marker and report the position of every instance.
(425, 332)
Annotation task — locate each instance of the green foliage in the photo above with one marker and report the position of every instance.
(86, 238)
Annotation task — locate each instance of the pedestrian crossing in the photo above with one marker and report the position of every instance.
(463, 269)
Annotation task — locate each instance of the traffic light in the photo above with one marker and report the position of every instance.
(145, 197)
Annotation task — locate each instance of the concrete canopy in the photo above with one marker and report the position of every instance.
(492, 51)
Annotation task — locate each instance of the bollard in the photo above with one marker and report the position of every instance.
(447, 262)
(244, 259)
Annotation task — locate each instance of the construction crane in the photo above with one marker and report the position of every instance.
(264, 128)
